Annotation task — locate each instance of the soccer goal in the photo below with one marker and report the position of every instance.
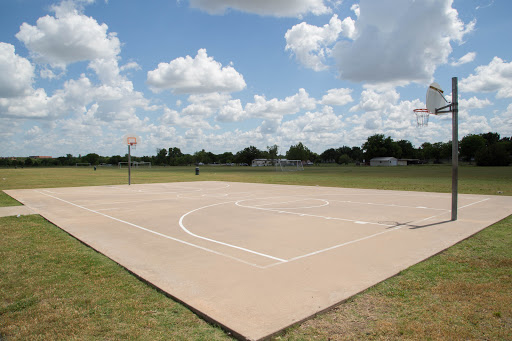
(135, 164)
(142, 164)
(123, 164)
(289, 165)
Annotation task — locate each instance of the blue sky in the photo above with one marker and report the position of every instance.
(221, 75)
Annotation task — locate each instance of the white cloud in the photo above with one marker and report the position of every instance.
(174, 118)
(315, 122)
(232, 111)
(503, 121)
(375, 99)
(467, 58)
(495, 77)
(201, 74)
(474, 103)
(276, 108)
(394, 44)
(68, 37)
(129, 66)
(309, 43)
(337, 97)
(16, 72)
(278, 8)
(314, 129)
(34, 105)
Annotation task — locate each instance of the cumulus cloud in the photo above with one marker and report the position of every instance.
(474, 103)
(34, 105)
(174, 118)
(315, 122)
(503, 121)
(201, 74)
(68, 37)
(275, 108)
(375, 99)
(337, 97)
(271, 110)
(310, 43)
(278, 8)
(402, 47)
(494, 77)
(17, 73)
(232, 111)
(467, 58)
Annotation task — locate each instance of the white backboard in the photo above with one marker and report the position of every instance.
(435, 99)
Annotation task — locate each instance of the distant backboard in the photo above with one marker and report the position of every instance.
(131, 139)
(435, 98)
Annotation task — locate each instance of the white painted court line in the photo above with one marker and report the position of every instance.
(219, 242)
(154, 232)
(342, 244)
(279, 260)
(371, 236)
(326, 203)
(388, 205)
(278, 210)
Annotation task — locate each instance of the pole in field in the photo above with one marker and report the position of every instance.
(437, 104)
(131, 140)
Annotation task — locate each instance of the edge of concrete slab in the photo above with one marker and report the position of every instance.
(8, 211)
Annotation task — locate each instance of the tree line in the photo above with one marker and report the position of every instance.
(487, 149)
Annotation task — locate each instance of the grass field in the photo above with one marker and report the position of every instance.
(54, 287)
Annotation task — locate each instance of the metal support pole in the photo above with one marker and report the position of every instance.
(129, 165)
(455, 146)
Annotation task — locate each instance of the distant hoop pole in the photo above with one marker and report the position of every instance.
(455, 146)
(129, 165)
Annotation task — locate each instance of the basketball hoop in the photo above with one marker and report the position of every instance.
(131, 140)
(422, 117)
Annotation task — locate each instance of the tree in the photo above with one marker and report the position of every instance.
(161, 156)
(203, 157)
(330, 155)
(494, 155)
(226, 157)
(248, 154)
(470, 145)
(28, 162)
(272, 153)
(446, 150)
(299, 152)
(115, 159)
(408, 151)
(356, 154)
(344, 159)
(378, 146)
(91, 158)
(173, 156)
(491, 138)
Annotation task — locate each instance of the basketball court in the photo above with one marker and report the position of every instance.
(257, 258)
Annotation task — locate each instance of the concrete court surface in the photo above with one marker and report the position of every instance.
(257, 258)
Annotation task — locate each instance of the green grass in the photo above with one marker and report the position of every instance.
(463, 293)
(54, 287)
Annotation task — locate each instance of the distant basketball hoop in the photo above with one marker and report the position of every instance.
(131, 140)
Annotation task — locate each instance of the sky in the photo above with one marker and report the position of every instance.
(222, 75)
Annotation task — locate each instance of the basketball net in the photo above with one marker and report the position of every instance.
(422, 117)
